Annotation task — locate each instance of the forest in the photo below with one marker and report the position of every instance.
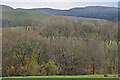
(57, 45)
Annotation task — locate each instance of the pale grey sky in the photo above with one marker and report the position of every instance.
(59, 0)
(58, 4)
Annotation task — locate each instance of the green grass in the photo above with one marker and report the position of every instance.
(90, 19)
(22, 15)
(34, 15)
(79, 77)
(72, 76)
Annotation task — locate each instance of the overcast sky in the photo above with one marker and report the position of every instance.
(58, 4)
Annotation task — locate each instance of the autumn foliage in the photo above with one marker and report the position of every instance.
(60, 46)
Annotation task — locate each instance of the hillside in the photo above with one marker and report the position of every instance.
(21, 15)
(99, 12)
(10, 13)
(12, 17)
(5, 8)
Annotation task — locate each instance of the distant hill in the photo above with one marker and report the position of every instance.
(5, 8)
(9, 13)
(13, 18)
(99, 12)
(13, 14)
(22, 15)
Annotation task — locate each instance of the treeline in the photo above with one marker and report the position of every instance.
(111, 16)
(15, 23)
(60, 46)
(99, 12)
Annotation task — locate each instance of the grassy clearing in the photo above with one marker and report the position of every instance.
(72, 76)
(21, 15)
(60, 79)
(79, 77)
(90, 19)
(34, 15)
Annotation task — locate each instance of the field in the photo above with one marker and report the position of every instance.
(79, 77)
(22, 15)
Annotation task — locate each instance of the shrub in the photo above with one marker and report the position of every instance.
(118, 75)
(105, 75)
